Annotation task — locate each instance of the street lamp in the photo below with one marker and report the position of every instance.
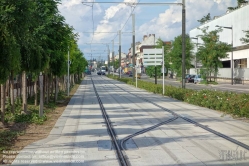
(196, 38)
(231, 51)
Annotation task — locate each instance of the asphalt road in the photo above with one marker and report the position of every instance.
(239, 88)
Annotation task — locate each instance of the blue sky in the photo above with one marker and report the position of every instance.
(163, 21)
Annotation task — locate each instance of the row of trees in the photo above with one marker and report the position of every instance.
(34, 38)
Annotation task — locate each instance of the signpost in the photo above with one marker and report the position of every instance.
(154, 57)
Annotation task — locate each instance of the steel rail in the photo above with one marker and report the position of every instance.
(192, 121)
(121, 157)
(144, 131)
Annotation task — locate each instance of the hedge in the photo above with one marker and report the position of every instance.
(228, 102)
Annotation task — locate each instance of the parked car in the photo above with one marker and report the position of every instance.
(128, 72)
(138, 75)
(190, 78)
(197, 79)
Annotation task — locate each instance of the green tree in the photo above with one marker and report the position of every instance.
(204, 19)
(239, 3)
(13, 29)
(115, 64)
(211, 51)
(245, 39)
(167, 48)
(175, 54)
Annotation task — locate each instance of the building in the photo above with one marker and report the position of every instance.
(123, 59)
(238, 20)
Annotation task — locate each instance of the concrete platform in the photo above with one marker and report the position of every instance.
(74, 139)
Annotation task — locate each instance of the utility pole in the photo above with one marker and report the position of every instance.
(119, 53)
(133, 46)
(163, 68)
(108, 57)
(183, 42)
(68, 79)
(113, 57)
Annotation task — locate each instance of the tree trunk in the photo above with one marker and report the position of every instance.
(56, 89)
(8, 87)
(2, 102)
(21, 78)
(64, 83)
(0, 97)
(44, 87)
(52, 87)
(73, 78)
(12, 100)
(47, 87)
(35, 92)
(24, 92)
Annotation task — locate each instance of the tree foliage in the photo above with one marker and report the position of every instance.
(175, 54)
(34, 38)
(204, 19)
(211, 51)
(245, 39)
(239, 3)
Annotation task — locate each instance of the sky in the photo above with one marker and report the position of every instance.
(165, 21)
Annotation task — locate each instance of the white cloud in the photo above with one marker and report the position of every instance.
(166, 25)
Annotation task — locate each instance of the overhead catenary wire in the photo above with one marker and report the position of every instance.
(127, 19)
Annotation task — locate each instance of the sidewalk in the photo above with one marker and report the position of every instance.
(76, 137)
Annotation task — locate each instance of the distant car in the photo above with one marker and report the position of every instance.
(189, 78)
(101, 73)
(138, 75)
(88, 72)
(128, 72)
(197, 79)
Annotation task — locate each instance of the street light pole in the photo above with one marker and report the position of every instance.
(119, 53)
(133, 46)
(108, 56)
(231, 51)
(183, 42)
(113, 58)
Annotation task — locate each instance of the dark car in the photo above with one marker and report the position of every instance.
(88, 72)
(190, 78)
(130, 74)
(101, 73)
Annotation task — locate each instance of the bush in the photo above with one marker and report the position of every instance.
(6, 139)
(31, 117)
(228, 102)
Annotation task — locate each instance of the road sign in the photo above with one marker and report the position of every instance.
(153, 57)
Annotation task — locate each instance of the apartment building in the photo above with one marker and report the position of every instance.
(235, 22)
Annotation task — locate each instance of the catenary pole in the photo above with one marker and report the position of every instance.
(183, 42)
(133, 46)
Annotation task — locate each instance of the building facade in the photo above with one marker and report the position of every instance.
(236, 22)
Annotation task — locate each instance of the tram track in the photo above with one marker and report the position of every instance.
(182, 117)
(121, 157)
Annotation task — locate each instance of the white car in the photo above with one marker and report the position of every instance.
(197, 79)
